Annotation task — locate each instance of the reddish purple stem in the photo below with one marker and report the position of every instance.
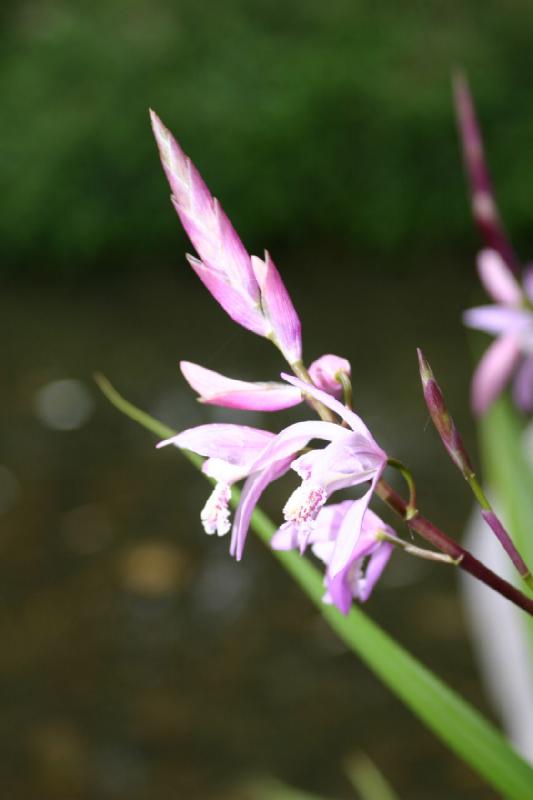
(506, 542)
(466, 561)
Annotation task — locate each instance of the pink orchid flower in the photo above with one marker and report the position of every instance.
(248, 288)
(230, 451)
(351, 458)
(216, 389)
(235, 452)
(368, 559)
(511, 321)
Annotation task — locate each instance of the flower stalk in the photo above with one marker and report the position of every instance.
(465, 560)
(301, 371)
(451, 439)
(347, 391)
(419, 552)
(411, 509)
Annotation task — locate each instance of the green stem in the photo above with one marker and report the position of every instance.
(347, 391)
(478, 492)
(420, 552)
(300, 370)
(411, 509)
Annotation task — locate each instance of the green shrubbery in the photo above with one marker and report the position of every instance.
(328, 123)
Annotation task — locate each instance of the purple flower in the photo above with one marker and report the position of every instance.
(368, 559)
(352, 457)
(217, 389)
(235, 452)
(248, 288)
(511, 321)
(230, 450)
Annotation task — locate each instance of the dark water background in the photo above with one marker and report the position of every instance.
(138, 661)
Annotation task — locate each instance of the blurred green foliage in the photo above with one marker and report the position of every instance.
(318, 124)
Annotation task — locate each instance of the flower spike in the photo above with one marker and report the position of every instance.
(249, 289)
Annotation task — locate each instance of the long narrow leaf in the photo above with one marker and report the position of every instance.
(450, 717)
(366, 778)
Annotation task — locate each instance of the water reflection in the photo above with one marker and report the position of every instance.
(64, 405)
(87, 529)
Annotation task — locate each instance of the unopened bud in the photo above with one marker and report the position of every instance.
(442, 419)
(327, 371)
(484, 208)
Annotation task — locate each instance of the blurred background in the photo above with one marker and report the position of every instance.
(138, 660)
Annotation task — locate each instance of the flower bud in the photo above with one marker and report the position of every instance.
(442, 419)
(324, 373)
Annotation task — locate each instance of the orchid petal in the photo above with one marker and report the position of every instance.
(493, 371)
(285, 538)
(377, 563)
(252, 490)
(224, 472)
(235, 304)
(323, 550)
(354, 421)
(217, 389)
(498, 320)
(328, 522)
(322, 537)
(346, 462)
(237, 444)
(201, 215)
(279, 309)
(296, 436)
(372, 523)
(184, 179)
(346, 550)
(523, 385)
(324, 371)
(498, 281)
(304, 464)
(341, 559)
